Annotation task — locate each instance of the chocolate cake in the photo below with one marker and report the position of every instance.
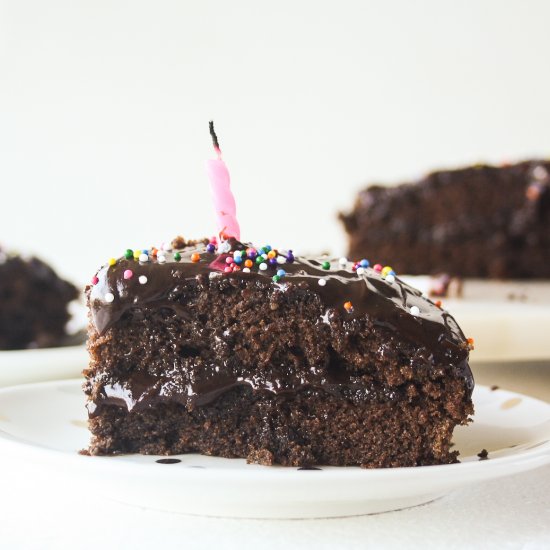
(229, 350)
(482, 221)
(34, 300)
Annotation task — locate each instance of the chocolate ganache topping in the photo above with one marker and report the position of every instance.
(149, 279)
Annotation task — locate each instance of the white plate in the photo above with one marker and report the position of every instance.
(508, 320)
(45, 424)
(37, 365)
(504, 332)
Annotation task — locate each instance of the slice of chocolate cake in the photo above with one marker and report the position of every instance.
(34, 301)
(234, 351)
(483, 221)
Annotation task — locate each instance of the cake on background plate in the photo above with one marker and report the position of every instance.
(482, 222)
(230, 350)
(34, 303)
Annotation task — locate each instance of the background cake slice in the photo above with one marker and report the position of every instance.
(236, 351)
(34, 303)
(481, 221)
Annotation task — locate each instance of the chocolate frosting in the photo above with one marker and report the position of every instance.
(388, 304)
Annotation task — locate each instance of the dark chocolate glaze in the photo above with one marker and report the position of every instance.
(387, 304)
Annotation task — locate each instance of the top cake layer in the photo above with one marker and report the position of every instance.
(481, 221)
(344, 288)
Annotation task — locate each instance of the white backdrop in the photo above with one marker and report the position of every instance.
(104, 108)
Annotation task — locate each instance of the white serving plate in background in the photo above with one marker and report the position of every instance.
(508, 320)
(23, 366)
(37, 365)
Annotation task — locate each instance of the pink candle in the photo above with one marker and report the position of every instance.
(220, 185)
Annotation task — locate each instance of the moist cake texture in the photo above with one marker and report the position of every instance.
(481, 221)
(234, 351)
(34, 300)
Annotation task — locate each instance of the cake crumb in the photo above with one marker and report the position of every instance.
(483, 454)
(178, 243)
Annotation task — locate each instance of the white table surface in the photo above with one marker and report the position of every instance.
(41, 511)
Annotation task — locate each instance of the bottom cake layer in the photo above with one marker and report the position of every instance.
(310, 427)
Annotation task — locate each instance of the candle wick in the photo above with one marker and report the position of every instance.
(214, 138)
